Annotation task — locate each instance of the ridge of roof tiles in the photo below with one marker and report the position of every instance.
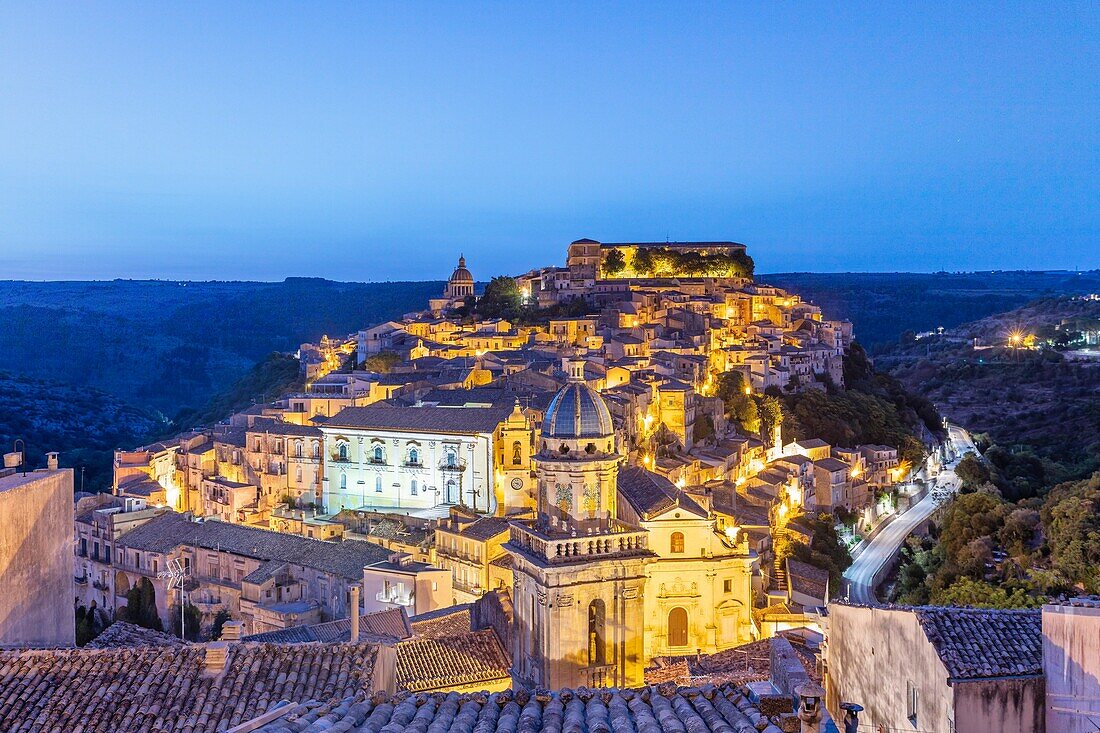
(663, 708)
(976, 643)
(162, 689)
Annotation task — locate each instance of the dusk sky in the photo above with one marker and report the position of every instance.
(367, 141)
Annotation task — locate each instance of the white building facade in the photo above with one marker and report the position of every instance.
(411, 458)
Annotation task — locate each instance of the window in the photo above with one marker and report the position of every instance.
(316, 449)
(84, 547)
(677, 627)
(298, 474)
(414, 457)
(517, 453)
(449, 458)
(298, 449)
(343, 481)
(727, 586)
(676, 543)
(378, 484)
(911, 700)
(596, 646)
(412, 487)
(342, 451)
(379, 454)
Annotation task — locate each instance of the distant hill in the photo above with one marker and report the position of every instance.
(166, 345)
(882, 306)
(1031, 403)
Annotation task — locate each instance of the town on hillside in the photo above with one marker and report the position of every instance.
(573, 479)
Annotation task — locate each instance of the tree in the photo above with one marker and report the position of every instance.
(825, 550)
(643, 261)
(502, 299)
(980, 594)
(192, 617)
(741, 407)
(1071, 516)
(1020, 531)
(771, 416)
(972, 472)
(614, 263)
(220, 618)
(383, 362)
(141, 606)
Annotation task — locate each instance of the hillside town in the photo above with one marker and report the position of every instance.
(538, 484)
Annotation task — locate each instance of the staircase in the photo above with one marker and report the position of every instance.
(779, 567)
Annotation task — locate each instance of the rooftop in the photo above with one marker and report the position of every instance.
(975, 642)
(432, 419)
(169, 531)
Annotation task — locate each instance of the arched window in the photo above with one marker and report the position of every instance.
(596, 646)
(298, 449)
(316, 449)
(342, 451)
(677, 627)
(412, 487)
(517, 454)
(378, 484)
(414, 457)
(343, 481)
(379, 454)
(676, 544)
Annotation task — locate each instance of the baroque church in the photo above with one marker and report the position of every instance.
(619, 565)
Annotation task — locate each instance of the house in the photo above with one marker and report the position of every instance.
(1071, 665)
(941, 670)
(467, 544)
(36, 572)
(400, 581)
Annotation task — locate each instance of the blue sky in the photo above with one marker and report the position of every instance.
(365, 141)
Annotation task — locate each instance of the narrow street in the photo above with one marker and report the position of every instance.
(864, 575)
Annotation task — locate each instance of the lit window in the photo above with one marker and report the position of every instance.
(676, 543)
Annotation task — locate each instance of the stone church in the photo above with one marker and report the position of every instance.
(594, 598)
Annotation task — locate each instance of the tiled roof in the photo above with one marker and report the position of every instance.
(123, 634)
(169, 531)
(449, 621)
(651, 494)
(279, 427)
(975, 642)
(483, 529)
(160, 689)
(391, 623)
(441, 419)
(659, 709)
(808, 579)
(473, 658)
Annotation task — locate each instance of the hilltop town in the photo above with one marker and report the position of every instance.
(572, 479)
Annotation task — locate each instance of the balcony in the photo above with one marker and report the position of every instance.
(563, 549)
(395, 597)
(457, 465)
(602, 675)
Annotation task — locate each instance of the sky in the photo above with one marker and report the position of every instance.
(377, 141)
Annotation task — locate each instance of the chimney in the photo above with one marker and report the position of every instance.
(217, 653)
(809, 707)
(51, 460)
(354, 611)
(231, 631)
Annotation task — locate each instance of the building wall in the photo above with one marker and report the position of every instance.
(872, 655)
(36, 567)
(432, 481)
(1071, 663)
(552, 606)
(1003, 705)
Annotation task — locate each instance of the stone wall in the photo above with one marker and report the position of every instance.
(36, 559)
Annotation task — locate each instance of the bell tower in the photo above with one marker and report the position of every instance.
(579, 572)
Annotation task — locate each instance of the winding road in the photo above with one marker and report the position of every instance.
(865, 573)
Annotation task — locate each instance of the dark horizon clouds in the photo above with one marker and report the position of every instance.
(363, 141)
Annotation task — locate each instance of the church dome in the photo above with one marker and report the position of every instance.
(461, 274)
(577, 411)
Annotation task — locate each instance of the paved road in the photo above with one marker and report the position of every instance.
(861, 578)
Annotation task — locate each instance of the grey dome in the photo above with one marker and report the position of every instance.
(577, 411)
